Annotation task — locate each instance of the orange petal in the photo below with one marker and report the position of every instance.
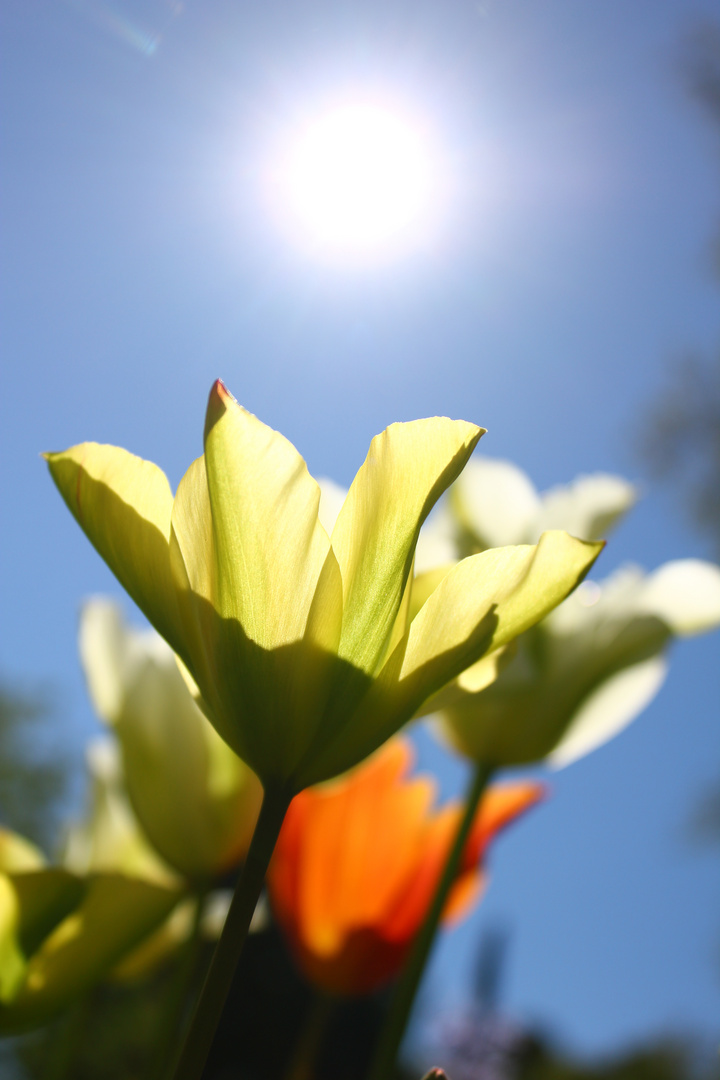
(500, 806)
(412, 907)
(464, 895)
(362, 843)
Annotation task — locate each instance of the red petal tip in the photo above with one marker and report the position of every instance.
(218, 402)
(220, 390)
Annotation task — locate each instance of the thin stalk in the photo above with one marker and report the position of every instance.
(409, 982)
(218, 980)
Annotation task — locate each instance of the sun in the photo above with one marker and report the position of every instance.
(358, 179)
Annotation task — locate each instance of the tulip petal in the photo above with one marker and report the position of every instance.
(425, 585)
(607, 711)
(110, 839)
(372, 824)
(472, 680)
(103, 654)
(404, 918)
(114, 915)
(269, 542)
(685, 594)
(407, 468)
(277, 593)
(45, 897)
(480, 605)
(194, 566)
(124, 505)
(12, 959)
(588, 508)
(195, 799)
(18, 854)
(193, 563)
(483, 603)
(495, 504)
(437, 542)
(500, 806)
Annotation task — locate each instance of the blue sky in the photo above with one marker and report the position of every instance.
(570, 267)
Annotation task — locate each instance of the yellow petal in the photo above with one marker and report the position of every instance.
(477, 677)
(269, 543)
(274, 621)
(425, 585)
(195, 799)
(193, 565)
(12, 960)
(487, 600)
(405, 614)
(124, 504)
(407, 468)
(17, 853)
(479, 606)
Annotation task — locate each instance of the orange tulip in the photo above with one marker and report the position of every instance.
(358, 861)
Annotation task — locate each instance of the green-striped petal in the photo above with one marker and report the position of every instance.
(406, 470)
(276, 594)
(269, 543)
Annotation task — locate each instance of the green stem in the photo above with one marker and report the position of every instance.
(409, 982)
(218, 980)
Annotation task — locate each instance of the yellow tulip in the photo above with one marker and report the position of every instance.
(300, 644)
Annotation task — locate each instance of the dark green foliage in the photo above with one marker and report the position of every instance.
(662, 1061)
(33, 773)
(116, 1033)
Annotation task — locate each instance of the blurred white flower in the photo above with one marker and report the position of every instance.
(587, 670)
(494, 503)
(594, 663)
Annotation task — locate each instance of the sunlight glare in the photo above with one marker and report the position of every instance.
(359, 179)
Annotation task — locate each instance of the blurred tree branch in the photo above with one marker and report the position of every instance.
(33, 774)
(679, 439)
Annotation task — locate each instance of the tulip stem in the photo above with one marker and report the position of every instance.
(411, 975)
(218, 980)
